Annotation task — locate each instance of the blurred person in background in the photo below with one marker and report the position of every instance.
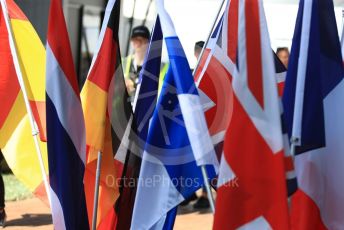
(198, 48)
(132, 64)
(283, 55)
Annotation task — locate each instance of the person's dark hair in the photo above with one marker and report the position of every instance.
(198, 46)
(140, 31)
(280, 49)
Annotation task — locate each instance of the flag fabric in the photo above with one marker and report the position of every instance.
(178, 142)
(313, 89)
(65, 128)
(342, 40)
(107, 111)
(251, 185)
(16, 139)
(213, 78)
(281, 72)
(26, 40)
(144, 105)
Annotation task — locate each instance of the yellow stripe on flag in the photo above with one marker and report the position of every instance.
(94, 101)
(32, 58)
(21, 157)
(98, 137)
(16, 114)
(108, 190)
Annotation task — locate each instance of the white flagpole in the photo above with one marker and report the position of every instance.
(203, 168)
(33, 124)
(207, 187)
(96, 192)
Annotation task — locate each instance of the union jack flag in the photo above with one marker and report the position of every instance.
(253, 153)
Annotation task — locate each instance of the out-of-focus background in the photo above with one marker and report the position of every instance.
(193, 20)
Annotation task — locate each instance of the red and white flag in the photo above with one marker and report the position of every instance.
(251, 187)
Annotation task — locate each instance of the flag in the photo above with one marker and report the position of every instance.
(107, 111)
(144, 104)
(213, 78)
(313, 90)
(281, 72)
(251, 184)
(342, 40)
(178, 142)
(26, 40)
(65, 128)
(16, 139)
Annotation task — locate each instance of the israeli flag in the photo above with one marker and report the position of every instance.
(178, 142)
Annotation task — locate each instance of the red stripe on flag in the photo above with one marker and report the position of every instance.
(59, 43)
(201, 64)
(14, 11)
(288, 163)
(103, 69)
(305, 214)
(9, 86)
(41, 193)
(38, 110)
(109, 221)
(233, 30)
(280, 87)
(253, 46)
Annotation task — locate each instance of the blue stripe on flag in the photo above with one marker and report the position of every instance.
(149, 82)
(179, 66)
(66, 171)
(218, 27)
(324, 72)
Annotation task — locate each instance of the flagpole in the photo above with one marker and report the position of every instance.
(293, 142)
(207, 187)
(204, 171)
(96, 192)
(35, 131)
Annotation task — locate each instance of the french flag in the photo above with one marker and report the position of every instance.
(65, 128)
(313, 93)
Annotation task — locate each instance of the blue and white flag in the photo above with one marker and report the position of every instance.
(178, 142)
(313, 94)
(65, 128)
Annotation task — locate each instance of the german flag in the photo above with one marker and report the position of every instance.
(106, 109)
(16, 139)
